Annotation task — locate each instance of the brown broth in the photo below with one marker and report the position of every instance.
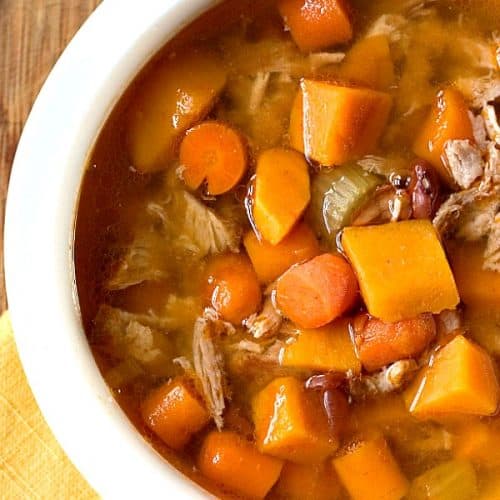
(113, 196)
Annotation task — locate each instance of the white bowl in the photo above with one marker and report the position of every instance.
(100, 62)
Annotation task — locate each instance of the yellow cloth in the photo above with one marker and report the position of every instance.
(32, 464)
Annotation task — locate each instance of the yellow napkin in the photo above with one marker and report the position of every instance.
(32, 464)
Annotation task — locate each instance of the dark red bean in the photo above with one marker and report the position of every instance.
(336, 409)
(424, 190)
(324, 381)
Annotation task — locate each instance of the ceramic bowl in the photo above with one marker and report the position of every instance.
(87, 81)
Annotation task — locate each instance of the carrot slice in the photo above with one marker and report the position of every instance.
(215, 152)
(270, 261)
(317, 24)
(380, 343)
(174, 412)
(317, 292)
(233, 288)
(235, 463)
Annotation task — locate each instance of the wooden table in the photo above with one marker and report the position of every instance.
(33, 33)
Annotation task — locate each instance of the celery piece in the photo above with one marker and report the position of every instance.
(453, 480)
(336, 194)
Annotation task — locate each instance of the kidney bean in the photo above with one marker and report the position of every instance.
(324, 381)
(336, 409)
(424, 190)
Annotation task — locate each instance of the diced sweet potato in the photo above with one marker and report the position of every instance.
(477, 286)
(447, 120)
(270, 261)
(290, 423)
(380, 343)
(401, 268)
(281, 192)
(174, 95)
(317, 24)
(307, 482)
(369, 63)
(174, 412)
(369, 472)
(324, 349)
(234, 463)
(461, 380)
(478, 442)
(332, 124)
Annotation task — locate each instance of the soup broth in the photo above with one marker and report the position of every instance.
(287, 250)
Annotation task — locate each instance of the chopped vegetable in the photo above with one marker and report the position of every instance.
(324, 349)
(332, 124)
(319, 24)
(215, 152)
(290, 424)
(478, 287)
(369, 63)
(233, 288)
(369, 472)
(447, 120)
(478, 442)
(177, 93)
(453, 480)
(270, 261)
(336, 194)
(174, 412)
(307, 482)
(379, 343)
(234, 463)
(402, 269)
(460, 379)
(281, 193)
(317, 292)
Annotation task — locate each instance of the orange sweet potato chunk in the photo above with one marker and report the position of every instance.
(332, 124)
(324, 349)
(447, 120)
(282, 192)
(477, 286)
(308, 482)
(461, 380)
(369, 472)
(369, 63)
(317, 24)
(178, 92)
(290, 424)
(270, 261)
(401, 268)
(235, 464)
(174, 412)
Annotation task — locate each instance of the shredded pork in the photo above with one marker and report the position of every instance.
(209, 368)
(389, 379)
(265, 324)
(464, 160)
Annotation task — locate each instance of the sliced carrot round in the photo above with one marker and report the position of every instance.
(317, 292)
(215, 152)
(232, 287)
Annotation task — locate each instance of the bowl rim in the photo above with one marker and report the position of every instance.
(70, 110)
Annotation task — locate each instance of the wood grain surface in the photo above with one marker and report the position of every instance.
(33, 33)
